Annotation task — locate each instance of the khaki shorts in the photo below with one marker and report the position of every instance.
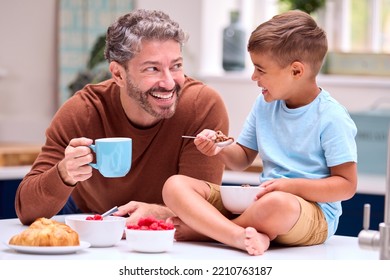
(215, 199)
(310, 229)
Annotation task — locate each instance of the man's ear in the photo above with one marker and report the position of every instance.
(118, 73)
(297, 69)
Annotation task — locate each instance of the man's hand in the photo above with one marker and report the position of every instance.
(74, 167)
(137, 210)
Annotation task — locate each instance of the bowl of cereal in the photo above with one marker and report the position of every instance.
(99, 231)
(150, 235)
(238, 198)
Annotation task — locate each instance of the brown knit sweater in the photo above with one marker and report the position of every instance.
(158, 152)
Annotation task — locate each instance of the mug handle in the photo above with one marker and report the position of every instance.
(94, 165)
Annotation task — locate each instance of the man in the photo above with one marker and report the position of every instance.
(148, 99)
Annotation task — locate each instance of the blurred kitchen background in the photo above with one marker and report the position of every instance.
(49, 48)
(46, 46)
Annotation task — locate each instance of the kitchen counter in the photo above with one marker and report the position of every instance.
(336, 248)
(203, 260)
(14, 172)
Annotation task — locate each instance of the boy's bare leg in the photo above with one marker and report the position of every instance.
(185, 233)
(187, 198)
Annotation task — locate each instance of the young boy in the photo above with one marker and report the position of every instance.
(305, 138)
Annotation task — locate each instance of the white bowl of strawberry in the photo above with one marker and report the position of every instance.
(150, 235)
(100, 232)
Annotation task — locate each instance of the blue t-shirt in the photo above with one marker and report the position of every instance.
(302, 142)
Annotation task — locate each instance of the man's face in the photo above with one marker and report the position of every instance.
(155, 77)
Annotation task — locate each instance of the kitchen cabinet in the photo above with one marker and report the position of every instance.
(7, 198)
(351, 221)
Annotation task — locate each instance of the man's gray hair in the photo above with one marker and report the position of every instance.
(124, 36)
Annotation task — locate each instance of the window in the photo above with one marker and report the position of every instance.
(370, 25)
(351, 25)
(357, 26)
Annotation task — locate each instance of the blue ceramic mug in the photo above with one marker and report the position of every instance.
(113, 156)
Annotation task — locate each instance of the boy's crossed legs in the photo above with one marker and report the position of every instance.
(199, 206)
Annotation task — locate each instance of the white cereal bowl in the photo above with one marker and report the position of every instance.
(237, 198)
(150, 241)
(104, 233)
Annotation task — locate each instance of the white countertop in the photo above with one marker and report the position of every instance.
(336, 248)
(14, 172)
(336, 255)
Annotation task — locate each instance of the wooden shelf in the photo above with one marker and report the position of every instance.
(18, 154)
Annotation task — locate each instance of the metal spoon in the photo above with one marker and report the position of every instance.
(219, 144)
(109, 212)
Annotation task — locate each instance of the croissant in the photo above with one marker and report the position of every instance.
(46, 232)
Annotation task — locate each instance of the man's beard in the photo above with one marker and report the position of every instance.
(141, 97)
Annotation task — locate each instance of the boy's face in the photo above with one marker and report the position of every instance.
(274, 80)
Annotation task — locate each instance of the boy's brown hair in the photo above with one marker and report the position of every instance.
(291, 36)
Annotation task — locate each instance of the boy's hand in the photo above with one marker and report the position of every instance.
(205, 142)
(273, 185)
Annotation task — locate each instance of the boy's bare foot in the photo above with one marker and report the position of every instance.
(256, 243)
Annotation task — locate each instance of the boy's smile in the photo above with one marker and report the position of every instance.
(293, 83)
(273, 79)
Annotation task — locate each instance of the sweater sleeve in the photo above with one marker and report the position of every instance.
(42, 193)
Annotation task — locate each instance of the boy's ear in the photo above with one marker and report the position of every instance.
(118, 73)
(297, 69)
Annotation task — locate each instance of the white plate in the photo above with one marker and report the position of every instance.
(49, 250)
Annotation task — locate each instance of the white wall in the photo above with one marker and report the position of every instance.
(28, 67)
